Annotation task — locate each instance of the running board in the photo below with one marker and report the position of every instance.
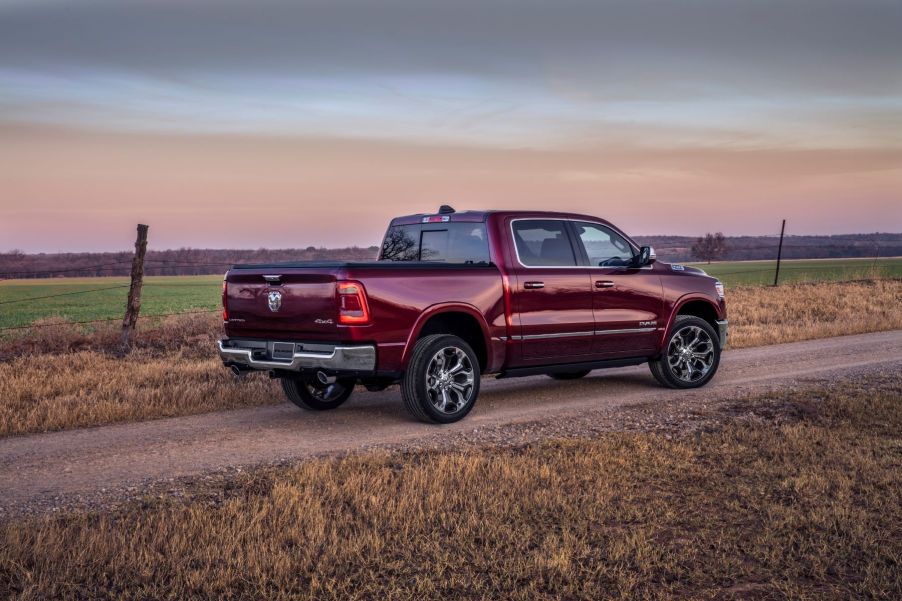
(537, 370)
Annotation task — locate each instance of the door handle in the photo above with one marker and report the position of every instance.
(533, 285)
(604, 284)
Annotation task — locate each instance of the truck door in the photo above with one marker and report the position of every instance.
(552, 295)
(628, 301)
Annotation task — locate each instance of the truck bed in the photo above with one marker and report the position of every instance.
(402, 265)
(399, 294)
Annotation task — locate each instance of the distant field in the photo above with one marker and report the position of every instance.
(173, 294)
(761, 273)
(161, 294)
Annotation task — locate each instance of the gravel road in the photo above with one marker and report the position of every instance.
(44, 470)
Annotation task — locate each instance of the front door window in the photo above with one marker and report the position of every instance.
(605, 247)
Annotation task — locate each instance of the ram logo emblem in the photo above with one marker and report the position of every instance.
(275, 301)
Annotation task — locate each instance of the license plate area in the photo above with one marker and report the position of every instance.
(282, 351)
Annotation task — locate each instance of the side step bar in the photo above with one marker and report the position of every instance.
(556, 369)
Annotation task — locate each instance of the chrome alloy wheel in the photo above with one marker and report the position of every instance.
(449, 380)
(690, 354)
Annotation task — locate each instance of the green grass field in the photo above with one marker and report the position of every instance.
(161, 294)
(761, 273)
(174, 294)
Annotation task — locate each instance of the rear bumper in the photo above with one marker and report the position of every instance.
(290, 356)
(722, 332)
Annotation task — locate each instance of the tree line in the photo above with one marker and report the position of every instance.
(183, 261)
(203, 261)
(717, 247)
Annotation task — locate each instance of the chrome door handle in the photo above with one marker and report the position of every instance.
(604, 284)
(533, 285)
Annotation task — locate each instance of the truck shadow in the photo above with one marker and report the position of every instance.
(498, 396)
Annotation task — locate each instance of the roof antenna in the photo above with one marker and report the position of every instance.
(445, 209)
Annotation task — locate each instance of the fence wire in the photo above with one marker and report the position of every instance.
(106, 320)
(31, 298)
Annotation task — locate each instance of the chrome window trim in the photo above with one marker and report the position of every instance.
(520, 261)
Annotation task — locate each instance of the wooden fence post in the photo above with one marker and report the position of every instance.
(133, 307)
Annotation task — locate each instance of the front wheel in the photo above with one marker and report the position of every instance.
(691, 355)
(442, 379)
(316, 396)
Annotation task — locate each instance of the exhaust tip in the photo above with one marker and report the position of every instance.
(322, 377)
(235, 371)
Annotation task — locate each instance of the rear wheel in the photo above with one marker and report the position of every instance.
(316, 396)
(570, 375)
(691, 354)
(442, 379)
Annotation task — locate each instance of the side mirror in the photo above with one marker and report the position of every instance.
(645, 257)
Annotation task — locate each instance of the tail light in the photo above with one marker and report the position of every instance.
(225, 308)
(352, 305)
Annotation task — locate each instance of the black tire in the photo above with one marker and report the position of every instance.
(426, 387)
(570, 375)
(310, 394)
(690, 371)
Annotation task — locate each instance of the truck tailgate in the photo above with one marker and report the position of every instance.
(289, 304)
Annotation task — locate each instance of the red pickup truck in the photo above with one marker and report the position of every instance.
(458, 295)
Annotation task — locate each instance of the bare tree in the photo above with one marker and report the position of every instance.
(399, 246)
(711, 247)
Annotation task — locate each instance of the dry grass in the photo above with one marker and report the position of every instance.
(193, 334)
(807, 506)
(87, 388)
(173, 371)
(765, 315)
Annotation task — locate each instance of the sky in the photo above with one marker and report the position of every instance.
(289, 124)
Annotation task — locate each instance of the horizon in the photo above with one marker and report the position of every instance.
(288, 125)
(364, 246)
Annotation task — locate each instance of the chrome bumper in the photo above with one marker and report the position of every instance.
(337, 358)
(722, 332)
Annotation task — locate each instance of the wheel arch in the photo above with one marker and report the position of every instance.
(693, 304)
(462, 320)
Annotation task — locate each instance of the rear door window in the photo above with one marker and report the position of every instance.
(543, 243)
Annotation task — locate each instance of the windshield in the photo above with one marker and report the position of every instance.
(441, 242)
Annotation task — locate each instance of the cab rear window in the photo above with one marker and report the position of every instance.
(440, 242)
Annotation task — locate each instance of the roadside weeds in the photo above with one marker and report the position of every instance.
(794, 494)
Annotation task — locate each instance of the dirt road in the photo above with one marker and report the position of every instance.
(44, 468)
